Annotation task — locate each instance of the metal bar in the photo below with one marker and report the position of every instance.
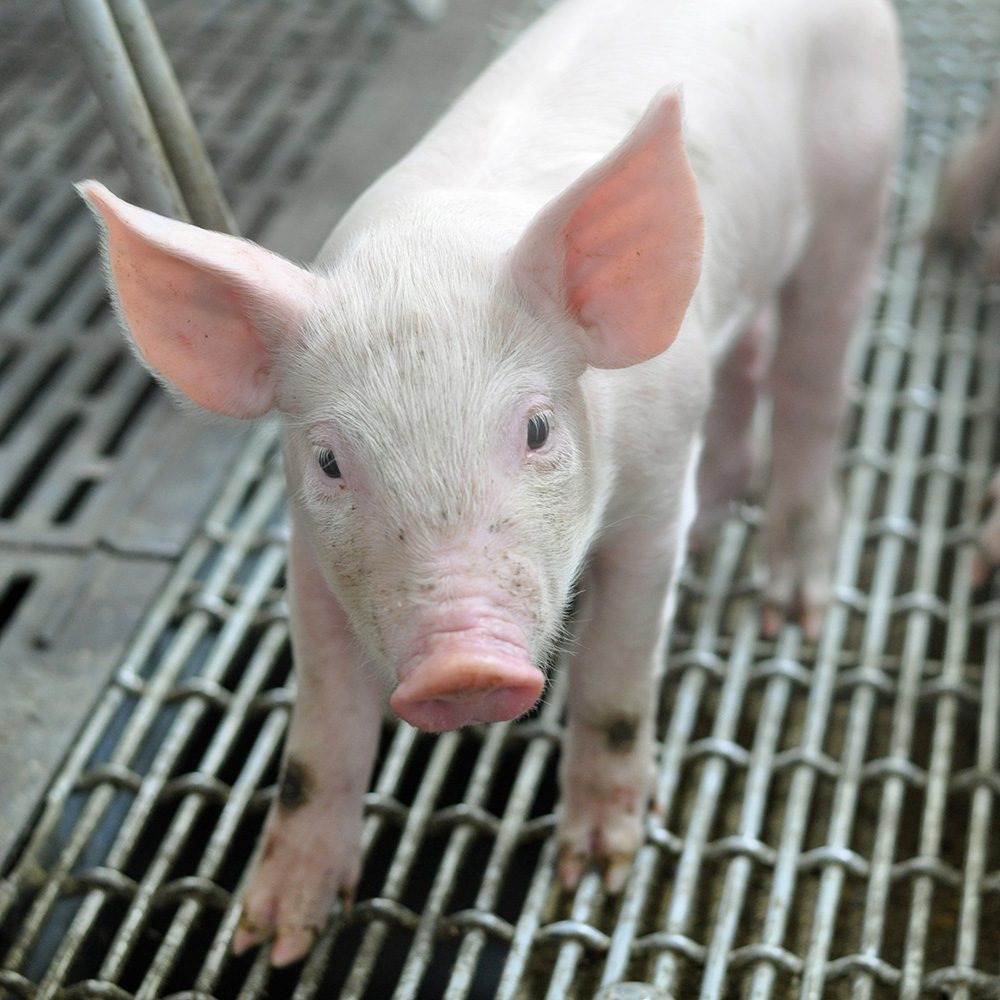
(983, 809)
(114, 79)
(146, 111)
(725, 755)
(511, 826)
(199, 186)
(784, 673)
(433, 910)
(185, 151)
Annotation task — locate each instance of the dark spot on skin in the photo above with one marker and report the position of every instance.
(295, 789)
(268, 848)
(621, 733)
(402, 537)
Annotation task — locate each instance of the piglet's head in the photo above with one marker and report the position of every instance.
(440, 444)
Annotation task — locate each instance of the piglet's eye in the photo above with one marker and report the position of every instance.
(538, 430)
(328, 463)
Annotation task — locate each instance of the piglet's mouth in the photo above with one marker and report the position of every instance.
(460, 684)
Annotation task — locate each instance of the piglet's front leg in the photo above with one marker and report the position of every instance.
(310, 851)
(608, 754)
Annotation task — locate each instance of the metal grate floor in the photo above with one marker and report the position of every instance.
(826, 819)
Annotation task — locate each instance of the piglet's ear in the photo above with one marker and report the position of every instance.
(620, 249)
(207, 312)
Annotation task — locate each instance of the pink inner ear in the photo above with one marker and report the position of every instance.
(613, 242)
(195, 304)
(621, 248)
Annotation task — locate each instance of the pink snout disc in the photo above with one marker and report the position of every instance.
(455, 688)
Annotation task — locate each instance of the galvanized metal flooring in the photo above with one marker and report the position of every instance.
(827, 821)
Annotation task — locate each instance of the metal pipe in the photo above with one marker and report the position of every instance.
(118, 89)
(146, 111)
(178, 134)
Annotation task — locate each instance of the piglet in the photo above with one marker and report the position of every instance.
(493, 384)
(969, 195)
(969, 190)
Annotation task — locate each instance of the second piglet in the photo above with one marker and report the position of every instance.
(493, 385)
(968, 196)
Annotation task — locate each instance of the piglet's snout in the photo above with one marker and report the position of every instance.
(461, 683)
